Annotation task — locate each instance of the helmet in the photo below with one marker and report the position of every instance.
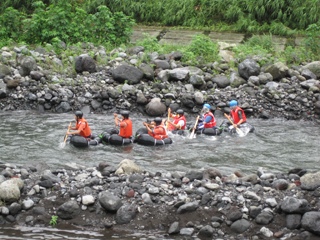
(233, 103)
(180, 111)
(78, 114)
(157, 120)
(125, 114)
(207, 106)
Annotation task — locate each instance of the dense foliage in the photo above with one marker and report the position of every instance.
(63, 22)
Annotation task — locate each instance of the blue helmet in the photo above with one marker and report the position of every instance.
(207, 106)
(233, 103)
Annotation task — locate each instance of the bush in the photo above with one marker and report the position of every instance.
(10, 24)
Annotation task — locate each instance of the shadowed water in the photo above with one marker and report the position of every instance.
(277, 145)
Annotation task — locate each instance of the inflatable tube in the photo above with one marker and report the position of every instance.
(228, 127)
(209, 131)
(139, 133)
(148, 140)
(111, 136)
(180, 132)
(79, 141)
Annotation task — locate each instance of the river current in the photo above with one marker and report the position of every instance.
(276, 144)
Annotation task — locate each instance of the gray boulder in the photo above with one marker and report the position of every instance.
(314, 67)
(162, 64)
(236, 80)
(147, 70)
(278, 70)
(4, 71)
(211, 173)
(13, 83)
(47, 175)
(109, 201)
(126, 213)
(28, 64)
(194, 174)
(10, 190)
(197, 80)
(248, 68)
(187, 100)
(84, 63)
(113, 93)
(240, 226)
(141, 99)
(178, 74)
(95, 104)
(193, 70)
(198, 97)
(68, 210)
(264, 78)
(135, 50)
(155, 107)
(174, 228)
(127, 72)
(311, 222)
(309, 83)
(294, 205)
(308, 74)
(14, 208)
(63, 107)
(264, 218)
(206, 231)
(221, 81)
(188, 207)
(36, 75)
(293, 221)
(310, 181)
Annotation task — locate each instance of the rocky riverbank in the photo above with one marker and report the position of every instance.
(200, 204)
(88, 78)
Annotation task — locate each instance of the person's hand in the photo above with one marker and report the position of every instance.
(145, 124)
(169, 121)
(68, 133)
(169, 110)
(115, 115)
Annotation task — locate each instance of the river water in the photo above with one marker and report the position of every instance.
(278, 145)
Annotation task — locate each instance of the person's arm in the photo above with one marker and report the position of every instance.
(147, 126)
(81, 127)
(207, 119)
(240, 117)
(116, 119)
(177, 126)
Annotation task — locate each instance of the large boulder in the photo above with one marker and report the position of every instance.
(193, 70)
(10, 190)
(240, 226)
(4, 71)
(295, 205)
(309, 83)
(187, 100)
(162, 64)
(278, 70)
(141, 99)
(236, 80)
(188, 207)
(197, 80)
(221, 81)
(28, 64)
(126, 166)
(308, 74)
(126, 213)
(13, 83)
(155, 107)
(199, 98)
(147, 70)
(109, 201)
(314, 67)
(113, 93)
(310, 181)
(63, 107)
(311, 222)
(248, 67)
(178, 74)
(127, 72)
(68, 210)
(85, 63)
(135, 50)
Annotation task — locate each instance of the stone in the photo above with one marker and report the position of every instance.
(174, 228)
(236, 80)
(88, 200)
(109, 201)
(254, 211)
(264, 218)
(46, 183)
(13, 83)
(4, 70)
(278, 70)
(266, 232)
(39, 211)
(293, 221)
(178, 74)
(294, 205)
(36, 75)
(280, 184)
(194, 174)
(84, 63)
(221, 81)
(14, 208)
(271, 202)
(68, 210)
(127, 167)
(127, 73)
(235, 215)
(126, 213)
(206, 231)
(248, 68)
(163, 64)
(63, 107)
(308, 74)
(47, 175)
(240, 226)
(310, 181)
(311, 222)
(188, 207)
(28, 64)
(10, 190)
(197, 80)
(27, 204)
(135, 50)
(211, 173)
(146, 198)
(314, 67)
(186, 231)
(155, 107)
(198, 97)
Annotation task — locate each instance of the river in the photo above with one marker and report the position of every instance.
(278, 145)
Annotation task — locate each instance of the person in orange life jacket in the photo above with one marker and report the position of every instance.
(207, 120)
(124, 123)
(179, 121)
(82, 126)
(237, 113)
(159, 131)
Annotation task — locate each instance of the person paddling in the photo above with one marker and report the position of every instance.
(124, 123)
(159, 131)
(82, 126)
(179, 121)
(237, 113)
(207, 120)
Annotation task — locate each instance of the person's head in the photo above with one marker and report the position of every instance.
(157, 121)
(78, 115)
(206, 108)
(233, 104)
(180, 112)
(125, 114)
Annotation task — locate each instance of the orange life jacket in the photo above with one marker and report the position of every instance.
(176, 120)
(127, 131)
(84, 127)
(157, 133)
(235, 116)
(210, 124)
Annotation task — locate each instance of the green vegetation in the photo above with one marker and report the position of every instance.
(53, 220)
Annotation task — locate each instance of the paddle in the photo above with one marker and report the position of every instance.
(195, 125)
(167, 124)
(65, 139)
(239, 131)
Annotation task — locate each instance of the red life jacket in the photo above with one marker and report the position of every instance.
(235, 116)
(126, 132)
(210, 124)
(84, 127)
(158, 134)
(176, 120)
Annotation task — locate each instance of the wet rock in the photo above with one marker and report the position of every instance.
(310, 181)
(47, 175)
(126, 166)
(125, 214)
(264, 218)
(186, 231)
(280, 184)
(294, 205)
(174, 228)
(221, 81)
(46, 184)
(240, 226)
(63, 107)
(194, 174)
(206, 231)
(311, 222)
(293, 221)
(68, 210)
(248, 68)
(10, 190)
(188, 207)
(211, 173)
(109, 202)
(155, 107)
(84, 63)
(127, 72)
(14, 208)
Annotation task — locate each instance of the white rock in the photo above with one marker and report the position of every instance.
(251, 195)
(87, 200)
(271, 202)
(266, 232)
(212, 186)
(5, 210)
(27, 204)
